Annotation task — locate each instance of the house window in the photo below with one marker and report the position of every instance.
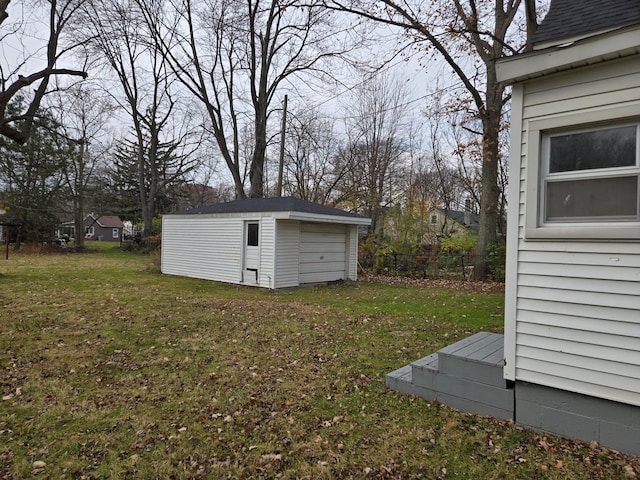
(583, 179)
(252, 234)
(89, 232)
(115, 233)
(591, 175)
(434, 219)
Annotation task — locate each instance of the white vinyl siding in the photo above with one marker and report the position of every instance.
(202, 247)
(573, 309)
(352, 252)
(323, 252)
(287, 250)
(291, 252)
(267, 249)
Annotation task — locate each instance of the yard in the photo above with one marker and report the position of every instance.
(110, 370)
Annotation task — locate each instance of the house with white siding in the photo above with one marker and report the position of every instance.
(570, 354)
(572, 319)
(265, 242)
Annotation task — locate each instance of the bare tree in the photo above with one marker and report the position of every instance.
(310, 153)
(375, 147)
(234, 56)
(117, 30)
(14, 80)
(469, 36)
(82, 113)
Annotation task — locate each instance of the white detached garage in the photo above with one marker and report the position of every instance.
(265, 242)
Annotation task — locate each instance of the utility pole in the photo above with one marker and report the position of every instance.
(282, 133)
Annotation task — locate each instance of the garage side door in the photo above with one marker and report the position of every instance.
(323, 252)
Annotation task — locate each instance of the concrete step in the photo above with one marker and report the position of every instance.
(479, 358)
(460, 394)
(466, 375)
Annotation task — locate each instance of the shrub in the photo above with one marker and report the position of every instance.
(496, 260)
(150, 244)
(464, 243)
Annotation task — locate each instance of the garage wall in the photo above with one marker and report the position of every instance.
(202, 247)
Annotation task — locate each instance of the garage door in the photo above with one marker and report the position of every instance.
(323, 252)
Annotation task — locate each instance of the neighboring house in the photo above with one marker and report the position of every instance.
(105, 228)
(571, 348)
(439, 223)
(453, 222)
(265, 242)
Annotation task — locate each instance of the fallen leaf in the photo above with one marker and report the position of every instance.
(271, 457)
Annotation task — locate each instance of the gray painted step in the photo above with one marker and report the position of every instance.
(456, 393)
(466, 375)
(479, 358)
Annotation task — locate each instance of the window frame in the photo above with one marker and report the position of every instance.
(115, 233)
(537, 166)
(253, 238)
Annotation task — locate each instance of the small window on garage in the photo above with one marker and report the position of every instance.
(115, 233)
(252, 234)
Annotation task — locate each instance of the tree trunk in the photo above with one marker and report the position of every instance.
(78, 223)
(256, 172)
(147, 217)
(78, 201)
(490, 191)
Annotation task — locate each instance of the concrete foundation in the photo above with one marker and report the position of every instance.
(613, 425)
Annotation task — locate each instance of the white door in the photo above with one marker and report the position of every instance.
(251, 252)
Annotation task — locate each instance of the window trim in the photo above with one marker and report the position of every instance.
(115, 233)
(253, 236)
(535, 227)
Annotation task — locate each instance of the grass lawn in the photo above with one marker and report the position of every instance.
(110, 371)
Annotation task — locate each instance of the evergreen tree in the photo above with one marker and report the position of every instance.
(31, 179)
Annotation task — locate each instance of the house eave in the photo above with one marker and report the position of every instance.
(574, 54)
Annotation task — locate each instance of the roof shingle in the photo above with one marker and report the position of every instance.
(568, 18)
(278, 204)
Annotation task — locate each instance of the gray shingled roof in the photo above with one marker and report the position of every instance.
(279, 204)
(458, 216)
(567, 18)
